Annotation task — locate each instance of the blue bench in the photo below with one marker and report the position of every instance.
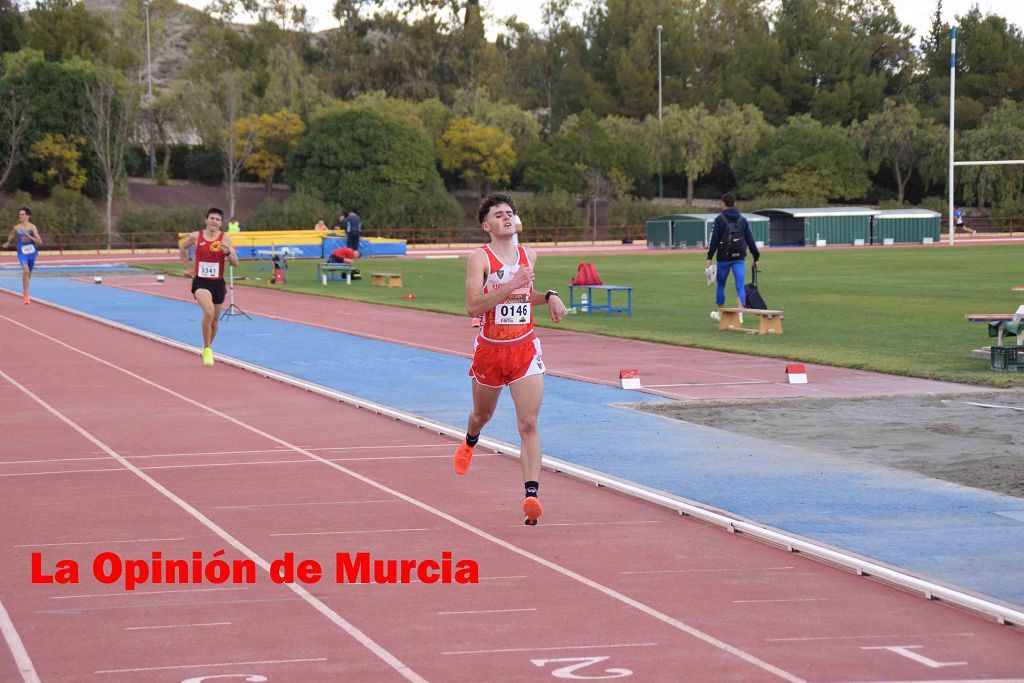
(607, 307)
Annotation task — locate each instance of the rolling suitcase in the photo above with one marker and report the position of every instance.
(754, 298)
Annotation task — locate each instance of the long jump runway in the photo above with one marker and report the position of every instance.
(116, 446)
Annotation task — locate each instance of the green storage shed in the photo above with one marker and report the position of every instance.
(694, 229)
(831, 225)
(906, 225)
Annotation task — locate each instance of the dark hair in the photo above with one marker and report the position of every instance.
(729, 199)
(492, 200)
(26, 210)
(215, 210)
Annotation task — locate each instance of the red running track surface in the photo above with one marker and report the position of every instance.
(115, 443)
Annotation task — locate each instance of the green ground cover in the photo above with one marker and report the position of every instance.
(889, 309)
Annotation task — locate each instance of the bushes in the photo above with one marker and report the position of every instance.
(66, 217)
(557, 209)
(157, 226)
(378, 163)
(298, 212)
(205, 166)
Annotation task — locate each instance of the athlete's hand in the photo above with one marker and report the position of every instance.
(557, 308)
(523, 277)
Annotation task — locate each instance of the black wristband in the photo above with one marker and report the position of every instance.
(550, 293)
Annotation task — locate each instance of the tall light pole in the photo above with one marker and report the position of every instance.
(149, 75)
(661, 188)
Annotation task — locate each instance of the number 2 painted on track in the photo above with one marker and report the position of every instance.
(580, 663)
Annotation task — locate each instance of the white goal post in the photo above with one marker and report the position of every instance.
(952, 158)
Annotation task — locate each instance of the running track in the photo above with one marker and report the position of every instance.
(114, 444)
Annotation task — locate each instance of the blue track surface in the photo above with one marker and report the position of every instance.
(946, 531)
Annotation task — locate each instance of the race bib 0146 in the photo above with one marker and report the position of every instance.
(512, 313)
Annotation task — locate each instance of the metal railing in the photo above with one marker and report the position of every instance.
(442, 236)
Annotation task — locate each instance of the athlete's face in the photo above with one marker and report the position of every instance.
(500, 221)
(214, 221)
(23, 216)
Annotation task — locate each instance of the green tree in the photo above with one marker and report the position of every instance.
(900, 137)
(62, 29)
(521, 126)
(356, 156)
(11, 26)
(689, 142)
(804, 158)
(478, 153)
(1000, 135)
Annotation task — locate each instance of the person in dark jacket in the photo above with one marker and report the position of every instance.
(731, 238)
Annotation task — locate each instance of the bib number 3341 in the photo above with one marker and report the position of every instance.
(209, 270)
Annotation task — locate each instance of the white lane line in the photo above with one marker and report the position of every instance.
(132, 540)
(143, 594)
(151, 628)
(358, 531)
(21, 659)
(522, 552)
(888, 635)
(697, 571)
(335, 618)
(282, 505)
(740, 602)
(549, 649)
(492, 611)
(643, 521)
(197, 465)
(207, 666)
(244, 452)
(949, 680)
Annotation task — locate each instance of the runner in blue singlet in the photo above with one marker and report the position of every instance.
(27, 242)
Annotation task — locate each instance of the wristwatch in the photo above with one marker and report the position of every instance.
(550, 293)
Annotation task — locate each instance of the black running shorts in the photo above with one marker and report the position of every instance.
(216, 287)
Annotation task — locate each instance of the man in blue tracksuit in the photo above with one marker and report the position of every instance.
(730, 239)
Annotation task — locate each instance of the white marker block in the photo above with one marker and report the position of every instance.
(98, 280)
(629, 379)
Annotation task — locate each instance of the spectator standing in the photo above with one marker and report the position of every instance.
(730, 239)
(353, 226)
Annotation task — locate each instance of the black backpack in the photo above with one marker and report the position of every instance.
(733, 246)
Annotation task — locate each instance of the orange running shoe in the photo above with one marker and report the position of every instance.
(25, 298)
(474, 322)
(463, 456)
(532, 510)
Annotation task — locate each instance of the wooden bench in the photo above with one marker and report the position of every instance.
(334, 271)
(387, 280)
(770, 321)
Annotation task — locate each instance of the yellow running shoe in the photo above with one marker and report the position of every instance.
(463, 456)
(207, 356)
(532, 510)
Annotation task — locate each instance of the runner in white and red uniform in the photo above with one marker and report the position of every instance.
(499, 288)
(213, 249)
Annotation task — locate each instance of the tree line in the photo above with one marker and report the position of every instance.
(404, 101)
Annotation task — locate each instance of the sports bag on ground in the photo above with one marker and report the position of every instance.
(754, 298)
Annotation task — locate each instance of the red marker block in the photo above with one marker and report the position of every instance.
(629, 379)
(796, 373)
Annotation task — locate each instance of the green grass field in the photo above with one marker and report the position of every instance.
(893, 309)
